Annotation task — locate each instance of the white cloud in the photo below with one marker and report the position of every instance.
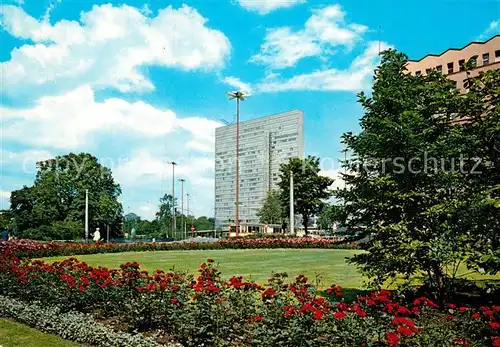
(354, 79)
(67, 121)
(265, 6)
(323, 31)
(237, 83)
(493, 29)
(107, 47)
(4, 194)
(335, 174)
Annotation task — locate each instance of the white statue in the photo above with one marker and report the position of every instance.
(97, 235)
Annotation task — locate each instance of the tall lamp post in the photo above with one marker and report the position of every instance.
(173, 196)
(182, 180)
(239, 96)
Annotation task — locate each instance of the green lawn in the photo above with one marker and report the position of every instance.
(254, 264)
(13, 334)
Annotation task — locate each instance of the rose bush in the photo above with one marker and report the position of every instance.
(34, 249)
(209, 310)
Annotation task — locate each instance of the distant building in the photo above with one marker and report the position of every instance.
(264, 144)
(450, 62)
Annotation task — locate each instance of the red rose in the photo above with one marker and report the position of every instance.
(339, 315)
(404, 331)
(392, 338)
(317, 314)
(496, 341)
(495, 325)
(476, 315)
(361, 313)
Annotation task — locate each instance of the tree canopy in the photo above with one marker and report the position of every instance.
(422, 177)
(310, 188)
(271, 211)
(54, 207)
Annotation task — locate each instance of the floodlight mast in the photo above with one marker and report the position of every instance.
(239, 96)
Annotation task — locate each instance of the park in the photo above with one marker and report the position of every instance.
(418, 264)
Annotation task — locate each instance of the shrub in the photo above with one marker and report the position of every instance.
(75, 326)
(209, 310)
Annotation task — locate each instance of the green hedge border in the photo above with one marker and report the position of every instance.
(74, 326)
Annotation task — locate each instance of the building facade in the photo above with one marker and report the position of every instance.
(264, 143)
(486, 56)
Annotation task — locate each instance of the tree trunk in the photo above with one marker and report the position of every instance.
(305, 221)
(440, 281)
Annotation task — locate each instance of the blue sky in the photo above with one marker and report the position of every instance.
(140, 83)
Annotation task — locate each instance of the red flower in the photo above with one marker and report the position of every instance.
(404, 331)
(461, 342)
(339, 315)
(495, 325)
(476, 315)
(361, 313)
(488, 313)
(392, 338)
(255, 319)
(496, 341)
(463, 308)
(452, 306)
(269, 292)
(317, 314)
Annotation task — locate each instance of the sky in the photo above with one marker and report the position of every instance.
(138, 84)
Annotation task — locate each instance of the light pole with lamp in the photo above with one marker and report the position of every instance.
(173, 197)
(182, 180)
(239, 96)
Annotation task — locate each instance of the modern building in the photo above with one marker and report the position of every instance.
(486, 56)
(264, 143)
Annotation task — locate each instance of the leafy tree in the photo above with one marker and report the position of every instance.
(412, 187)
(271, 211)
(203, 223)
(310, 188)
(329, 215)
(164, 214)
(57, 198)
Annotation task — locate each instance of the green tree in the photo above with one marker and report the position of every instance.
(271, 211)
(55, 204)
(310, 188)
(164, 214)
(329, 215)
(411, 181)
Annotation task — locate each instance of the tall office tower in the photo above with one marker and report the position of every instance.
(264, 144)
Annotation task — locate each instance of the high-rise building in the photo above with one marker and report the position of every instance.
(264, 143)
(484, 55)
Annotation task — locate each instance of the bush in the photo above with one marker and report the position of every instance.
(75, 326)
(209, 310)
(33, 249)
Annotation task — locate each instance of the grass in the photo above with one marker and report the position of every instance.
(254, 264)
(13, 334)
(258, 264)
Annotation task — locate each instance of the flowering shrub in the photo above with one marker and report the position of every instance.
(34, 249)
(209, 310)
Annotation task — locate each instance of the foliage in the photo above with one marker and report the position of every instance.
(413, 184)
(33, 249)
(330, 214)
(310, 188)
(271, 211)
(209, 310)
(73, 326)
(55, 205)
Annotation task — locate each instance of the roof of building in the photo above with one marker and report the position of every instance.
(453, 49)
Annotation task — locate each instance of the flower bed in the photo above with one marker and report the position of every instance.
(34, 249)
(208, 310)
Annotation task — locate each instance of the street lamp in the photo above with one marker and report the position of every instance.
(239, 96)
(173, 196)
(182, 180)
